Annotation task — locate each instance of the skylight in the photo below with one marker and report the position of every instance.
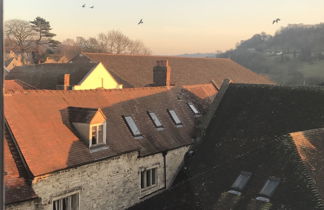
(193, 108)
(132, 126)
(174, 117)
(157, 123)
(241, 181)
(269, 187)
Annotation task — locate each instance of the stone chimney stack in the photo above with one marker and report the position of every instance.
(66, 81)
(162, 73)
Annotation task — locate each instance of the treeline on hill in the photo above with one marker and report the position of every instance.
(293, 56)
(33, 42)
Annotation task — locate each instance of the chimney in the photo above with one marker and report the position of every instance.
(162, 73)
(66, 81)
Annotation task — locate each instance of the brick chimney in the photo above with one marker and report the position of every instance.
(162, 73)
(66, 81)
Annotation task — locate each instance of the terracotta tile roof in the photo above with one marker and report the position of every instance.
(48, 76)
(16, 85)
(138, 70)
(250, 131)
(39, 122)
(17, 187)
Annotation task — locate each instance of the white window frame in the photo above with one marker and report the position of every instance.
(144, 170)
(67, 195)
(104, 133)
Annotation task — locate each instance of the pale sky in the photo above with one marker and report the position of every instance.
(170, 26)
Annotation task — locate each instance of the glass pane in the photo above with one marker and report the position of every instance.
(155, 120)
(94, 135)
(270, 186)
(153, 175)
(241, 180)
(142, 179)
(193, 108)
(100, 134)
(175, 117)
(75, 202)
(148, 178)
(132, 126)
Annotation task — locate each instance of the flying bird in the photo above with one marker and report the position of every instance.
(140, 22)
(83, 5)
(92, 7)
(276, 21)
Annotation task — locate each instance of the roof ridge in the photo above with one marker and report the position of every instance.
(82, 91)
(167, 56)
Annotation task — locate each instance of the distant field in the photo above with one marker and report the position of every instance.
(315, 69)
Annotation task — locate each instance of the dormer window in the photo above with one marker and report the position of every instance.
(90, 124)
(97, 134)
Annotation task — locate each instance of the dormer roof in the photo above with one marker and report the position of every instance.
(83, 114)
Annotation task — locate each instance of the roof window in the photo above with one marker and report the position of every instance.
(268, 189)
(132, 126)
(240, 183)
(157, 123)
(174, 117)
(193, 109)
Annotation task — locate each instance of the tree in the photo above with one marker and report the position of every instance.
(42, 30)
(20, 34)
(43, 39)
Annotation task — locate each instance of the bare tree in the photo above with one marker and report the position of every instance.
(20, 34)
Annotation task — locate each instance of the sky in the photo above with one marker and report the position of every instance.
(170, 27)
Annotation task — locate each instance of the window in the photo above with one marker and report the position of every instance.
(97, 134)
(148, 178)
(157, 123)
(241, 181)
(270, 186)
(67, 203)
(132, 126)
(193, 109)
(174, 117)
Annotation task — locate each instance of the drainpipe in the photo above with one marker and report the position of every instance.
(1, 110)
(165, 171)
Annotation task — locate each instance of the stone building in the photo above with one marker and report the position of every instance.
(97, 149)
(56, 76)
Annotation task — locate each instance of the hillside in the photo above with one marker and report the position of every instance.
(294, 55)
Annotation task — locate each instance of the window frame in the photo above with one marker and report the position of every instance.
(139, 135)
(194, 109)
(175, 117)
(68, 195)
(154, 121)
(97, 125)
(145, 171)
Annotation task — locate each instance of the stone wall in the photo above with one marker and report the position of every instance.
(113, 183)
(26, 205)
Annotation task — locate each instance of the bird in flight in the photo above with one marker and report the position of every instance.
(83, 5)
(276, 21)
(92, 7)
(140, 22)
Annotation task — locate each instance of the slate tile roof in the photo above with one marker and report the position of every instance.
(253, 130)
(16, 85)
(48, 76)
(17, 186)
(40, 123)
(137, 70)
